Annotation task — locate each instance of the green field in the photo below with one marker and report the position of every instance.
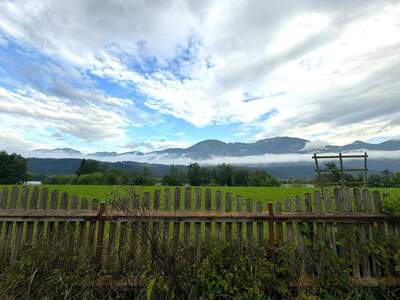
(264, 194)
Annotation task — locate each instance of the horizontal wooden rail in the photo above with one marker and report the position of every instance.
(188, 216)
(338, 156)
(344, 170)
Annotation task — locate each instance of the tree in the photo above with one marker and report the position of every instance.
(262, 178)
(89, 166)
(241, 177)
(12, 168)
(223, 175)
(173, 177)
(194, 174)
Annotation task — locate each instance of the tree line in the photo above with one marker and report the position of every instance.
(13, 170)
(93, 172)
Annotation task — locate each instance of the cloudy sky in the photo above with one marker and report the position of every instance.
(144, 75)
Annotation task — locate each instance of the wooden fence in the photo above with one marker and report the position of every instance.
(30, 216)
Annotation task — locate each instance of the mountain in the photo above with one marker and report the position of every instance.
(391, 145)
(210, 148)
(215, 148)
(62, 151)
(103, 154)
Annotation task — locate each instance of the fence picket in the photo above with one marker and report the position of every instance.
(43, 205)
(5, 239)
(320, 226)
(218, 207)
(177, 202)
(92, 228)
(51, 225)
(310, 225)
(249, 225)
(289, 225)
(208, 208)
(61, 225)
(228, 208)
(83, 225)
(279, 225)
(260, 225)
(365, 265)
(1, 207)
(19, 227)
(197, 228)
(187, 225)
(123, 232)
(300, 229)
(156, 225)
(239, 225)
(30, 224)
(167, 204)
(112, 234)
(330, 234)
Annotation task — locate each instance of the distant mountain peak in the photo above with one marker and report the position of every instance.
(59, 150)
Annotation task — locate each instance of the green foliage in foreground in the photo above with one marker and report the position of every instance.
(223, 271)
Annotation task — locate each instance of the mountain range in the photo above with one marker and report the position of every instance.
(215, 148)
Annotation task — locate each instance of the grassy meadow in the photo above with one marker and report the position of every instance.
(264, 194)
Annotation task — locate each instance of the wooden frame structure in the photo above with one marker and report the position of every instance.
(342, 170)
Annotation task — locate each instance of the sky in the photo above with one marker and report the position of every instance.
(148, 75)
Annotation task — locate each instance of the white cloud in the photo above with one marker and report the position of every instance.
(326, 68)
(156, 145)
(32, 109)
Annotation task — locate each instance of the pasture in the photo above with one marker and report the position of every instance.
(391, 198)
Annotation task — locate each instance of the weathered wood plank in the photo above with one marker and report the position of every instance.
(83, 225)
(228, 208)
(71, 226)
(192, 216)
(300, 229)
(6, 237)
(320, 226)
(208, 208)
(30, 224)
(239, 225)
(43, 205)
(289, 225)
(176, 226)
(112, 237)
(279, 225)
(310, 225)
(218, 207)
(365, 263)
(19, 227)
(260, 225)
(187, 225)
(156, 225)
(249, 224)
(92, 228)
(167, 206)
(51, 226)
(197, 225)
(61, 234)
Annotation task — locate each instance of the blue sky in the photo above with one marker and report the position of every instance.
(149, 75)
